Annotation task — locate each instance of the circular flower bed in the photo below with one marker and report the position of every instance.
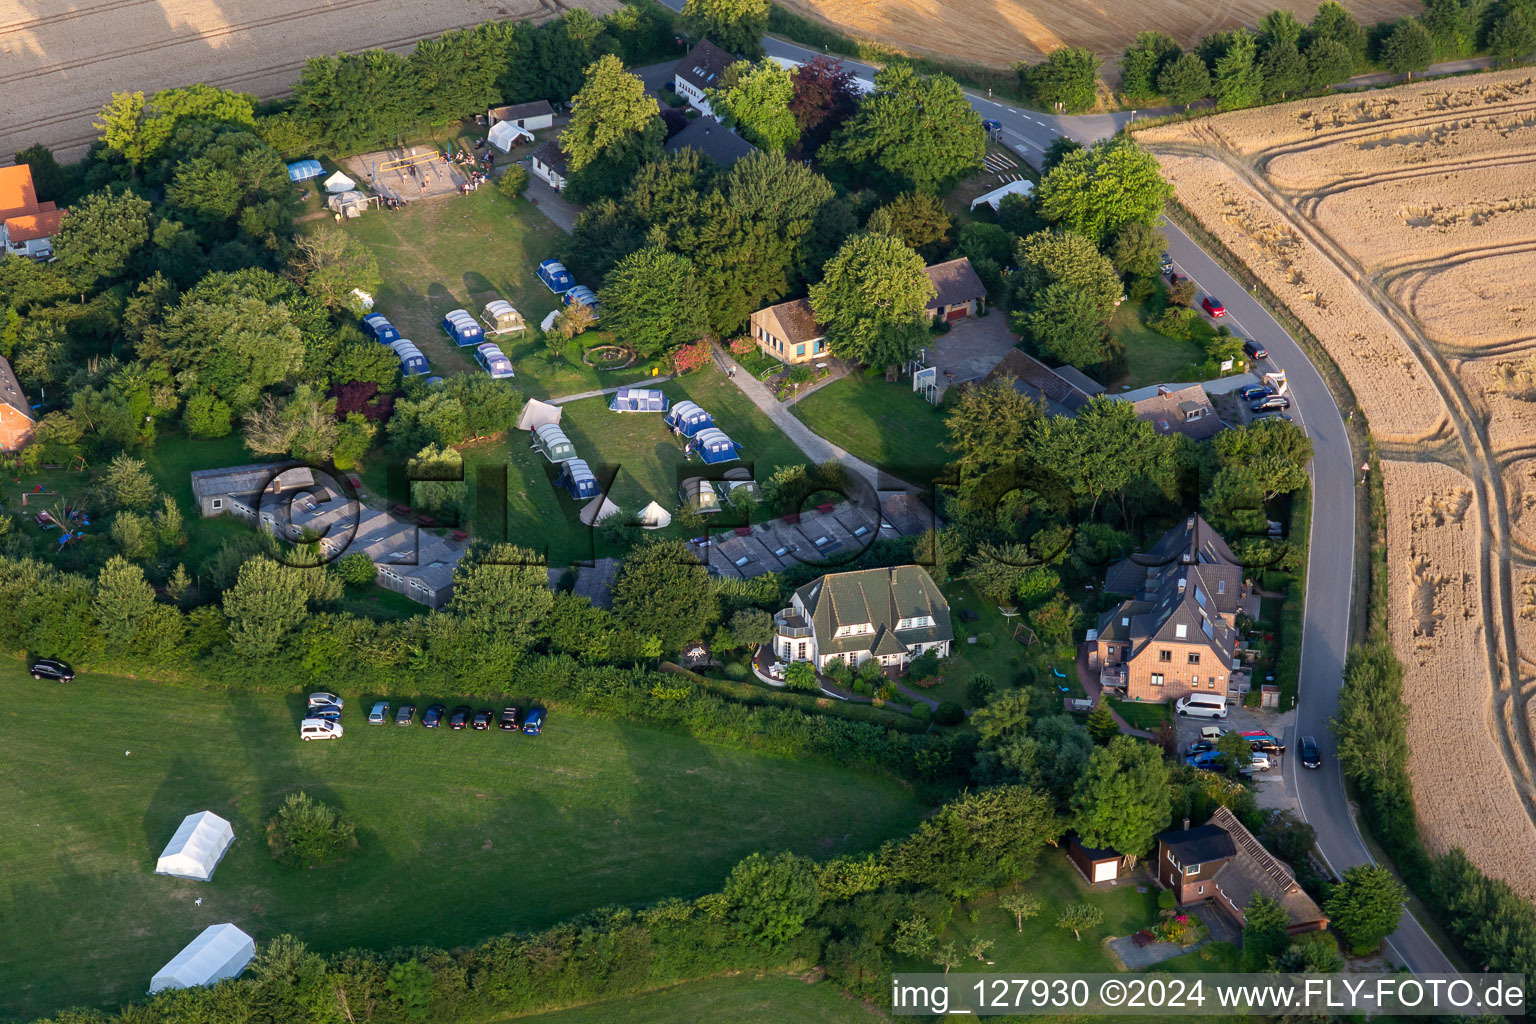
(608, 357)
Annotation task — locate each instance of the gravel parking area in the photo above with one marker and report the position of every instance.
(1275, 788)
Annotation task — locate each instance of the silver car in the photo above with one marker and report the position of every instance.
(380, 713)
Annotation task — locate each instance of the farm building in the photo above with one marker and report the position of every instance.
(958, 292)
(582, 294)
(715, 445)
(501, 317)
(789, 332)
(548, 164)
(27, 226)
(348, 204)
(639, 400)
(578, 479)
(197, 847)
(533, 116)
(995, 198)
(688, 419)
(891, 615)
(303, 170)
(536, 413)
(555, 277)
(16, 417)
(338, 183)
(464, 329)
(654, 517)
(1096, 865)
(1221, 862)
(220, 952)
(379, 327)
(506, 134)
(494, 361)
(713, 139)
(412, 362)
(598, 510)
(699, 72)
(550, 441)
(698, 495)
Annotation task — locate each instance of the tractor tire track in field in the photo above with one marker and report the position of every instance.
(10, 28)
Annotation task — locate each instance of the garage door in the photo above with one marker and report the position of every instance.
(1104, 871)
(958, 314)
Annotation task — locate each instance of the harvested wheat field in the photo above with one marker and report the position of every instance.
(1520, 485)
(1503, 392)
(1481, 304)
(1000, 32)
(57, 69)
(1464, 790)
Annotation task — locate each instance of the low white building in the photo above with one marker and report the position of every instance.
(892, 615)
(547, 163)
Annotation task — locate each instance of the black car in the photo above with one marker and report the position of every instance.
(406, 715)
(483, 718)
(460, 717)
(1310, 757)
(433, 717)
(49, 668)
(534, 722)
(1270, 402)
(509, 719)
(1255, 350)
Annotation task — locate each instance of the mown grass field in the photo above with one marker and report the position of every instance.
(886, 425)
(464, 835)
(745, 999)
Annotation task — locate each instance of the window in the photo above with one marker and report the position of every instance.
(1124, 621)
(1221, 586)
(800, 349)
(1194, 658)
(1171, 860)
(1157, 679)
(1165, 656)
(800, 650)
(1200, 890)
(218, 503)
(1180, 631)
(1213, 682)
(1192, 869)
(818, 347)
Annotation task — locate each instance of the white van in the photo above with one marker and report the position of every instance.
(1202, 705)
(319, 729)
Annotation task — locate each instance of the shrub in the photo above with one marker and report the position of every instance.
(986, 641)
(355, 569)
(1175, 322)
(949, 713)
(863, 687)
(736, 670)
(801, 675)
(743, 346)
(924, 666)
(870, 670)
(513, 180)
(305, 832)
(979, 689)
(692, 357)
(1181, 294)
(922, 712)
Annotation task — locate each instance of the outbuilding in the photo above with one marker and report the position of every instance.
(464, 329)
(197, 847)
(1097, 865)
(715, 445)
(578, 479)
(220, 952)
(639, 400)
(548, 163)
(412, 362)
(688, 419)
(533, 116)
(303, 170)
(494, 361)
(957, 290)
(550, 441)
(378, 325)
(501, 317)
(555, 277)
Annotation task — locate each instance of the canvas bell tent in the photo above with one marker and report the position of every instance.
(412, 362)
(688, 419)
(501, 317)
(220, 952)
(536, 414)
(578, 479)
(714, 445)
(196, 848)
(654, 517)
(550, 441)
(463, 328)
(597, 510)
(639, 400)
(338, 183)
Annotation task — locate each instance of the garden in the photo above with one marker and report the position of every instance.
(886, 425)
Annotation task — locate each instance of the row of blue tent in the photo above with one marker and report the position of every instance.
(559, 280)
(713, 444)
(464, 329)
(412, 362)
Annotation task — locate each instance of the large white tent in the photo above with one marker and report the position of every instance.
(654, 517)
(506, 134)
(222, 951)
(196, 848)
(536, 413)
(339, 182)
(597, 510)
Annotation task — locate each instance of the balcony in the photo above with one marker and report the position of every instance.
(790, 623)
(1114, 677)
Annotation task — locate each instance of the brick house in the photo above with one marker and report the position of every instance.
(893, 615)
(1222, 863)
(1175, 409)
(1176, 634)
(16, 419)
(789, 332)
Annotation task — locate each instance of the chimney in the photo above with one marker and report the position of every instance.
(1186, 824)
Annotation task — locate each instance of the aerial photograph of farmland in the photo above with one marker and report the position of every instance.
(766, 510)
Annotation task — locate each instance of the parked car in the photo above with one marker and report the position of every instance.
(1271, 402)
(992, 124)
(1204, 759)
(317, 700)
(1202, 705)
(380, 713)
(483, 719)
(1165, 261)
(51, 668)
(1213, 306)
(1174, 277)
(460, 717)
(1254, 392)
(1263, 741)
(1268, 417)
(406, 714)
(1255, 350)
(508, 719)
(433, 716)
(319, 729)
(1211, 733)
(1260, 763)
(534, 722)
(1198, 747)
(326, 712)
(1310, 756)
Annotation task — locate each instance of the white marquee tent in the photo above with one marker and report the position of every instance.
(222, 951)
(196, 848)
(536, 413)
(505, 134)
(338, 183)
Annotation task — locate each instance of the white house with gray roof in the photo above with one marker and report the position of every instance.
(892, 615)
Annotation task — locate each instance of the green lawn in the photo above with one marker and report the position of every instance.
(883, 424)
(1151, 358)
(748, 999)
(1004, 661)
(463, 835)
(1141, 715)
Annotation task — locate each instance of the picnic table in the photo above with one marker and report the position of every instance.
(402, 510)
(426, 520)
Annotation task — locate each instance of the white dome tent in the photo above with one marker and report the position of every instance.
(196, 848)
(220, 952)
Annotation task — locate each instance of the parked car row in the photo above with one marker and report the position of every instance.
(322, 717)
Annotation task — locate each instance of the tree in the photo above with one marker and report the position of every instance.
(1021, 905)
(1066, 81)
(124, 603)
(947, 956)
(757, 98)
(1372, 722)
(983, 839)
(1122, 801)
(269, 601)
(664, 590)
(979, 946)
(987, 426)
(1143, 61)
(1264, 934)
(329, 264)
(501, 593)
(1079, 917)
(1239, 78)
(128, 485)
(872, 300)
(1068, 258)
(1408, 47)
(1184, 80)
(824, 97)
(734, 25)
(305, 832)
(99, 239)
(650, 301)
(1098, 190)
(1328, 63)
(1333, 21)
(769, 899)
(1137, 249)
(1279, 26)
(1512, 35)
(1236, 752)
(410, 985)
(513, 181)
(913, 132)
(1277, 451)
(356, 569)
(1101, 724)
(1366, 906)
(1065, 325)
(917, 218)
(611, 108)
(573, 319)
(1284, 68)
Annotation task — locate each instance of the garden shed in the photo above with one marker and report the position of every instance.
(578, 479)
(464, 329)
(699, 495)
(303, 170)
(197, 847)
(688, 419)
(654, 517)
(378, 325)
(550, 441)
(555, 277)
(506, 134)
(412, 362)
(501, 317)
(494, 361)
(715, 445)
(536, 413)
(220, 952)
(639, 400)
(597, 510)
(338, 183)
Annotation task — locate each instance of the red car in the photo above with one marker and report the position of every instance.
(1213, 307)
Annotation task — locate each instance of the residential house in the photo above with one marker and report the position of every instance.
(1063, 395)
(1222, 863)
(892, 615)
(548, 164)
(958, 292)
(699, 72)
(1176, 634)
(1175, 409)
(531, 116)
(789, 332)
(27, 226)
(16, 417)
(713, 139)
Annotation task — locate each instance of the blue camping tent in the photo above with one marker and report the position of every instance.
(555, 277)
(577, 478)
(582, 294)
(688, 419)
(639, 400)
(382, 331)
(412, 361)
(714, 445)
(303, 170)
(464, 329)
(495, 362)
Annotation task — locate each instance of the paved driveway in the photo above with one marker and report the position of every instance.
(970, 349)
